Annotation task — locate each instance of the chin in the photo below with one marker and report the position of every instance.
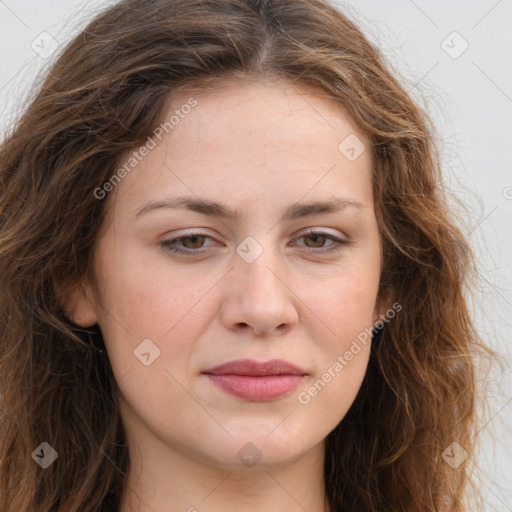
(256, 452)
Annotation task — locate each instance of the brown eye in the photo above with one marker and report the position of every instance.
(197, 241)
(187, 244)
(318, 240)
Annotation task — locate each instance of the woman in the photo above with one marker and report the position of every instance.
(168, 342)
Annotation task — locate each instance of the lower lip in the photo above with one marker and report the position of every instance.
(257, 388)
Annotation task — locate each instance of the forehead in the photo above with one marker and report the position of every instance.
(252, 140)
(262, 105)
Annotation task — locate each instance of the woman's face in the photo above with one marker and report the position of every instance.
(257, 286)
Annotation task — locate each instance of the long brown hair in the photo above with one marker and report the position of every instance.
(103, 97)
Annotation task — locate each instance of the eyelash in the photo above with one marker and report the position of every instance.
(166, 244)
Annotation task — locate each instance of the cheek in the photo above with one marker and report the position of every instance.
(144, 295)
(347, 305)
(346, 309)
(143, 299)
(343, 352)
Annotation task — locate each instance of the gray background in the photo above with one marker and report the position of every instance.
(464, 80)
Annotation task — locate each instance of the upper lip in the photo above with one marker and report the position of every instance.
(255, 368)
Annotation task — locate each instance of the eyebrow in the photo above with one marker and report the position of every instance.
(213, 208)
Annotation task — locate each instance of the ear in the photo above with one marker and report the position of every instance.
(384, 302)
(79, 305)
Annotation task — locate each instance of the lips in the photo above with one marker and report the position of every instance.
(256, 381)
(255, 368)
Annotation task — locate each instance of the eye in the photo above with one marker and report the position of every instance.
(192, 239)
(318, 238)
(193, 242)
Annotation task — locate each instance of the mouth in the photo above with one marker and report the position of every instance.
(256, 381)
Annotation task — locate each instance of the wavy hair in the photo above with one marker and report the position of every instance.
(102, 97)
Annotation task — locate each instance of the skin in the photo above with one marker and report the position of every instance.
(259, 146)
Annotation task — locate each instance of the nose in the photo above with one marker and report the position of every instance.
(260, 297)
